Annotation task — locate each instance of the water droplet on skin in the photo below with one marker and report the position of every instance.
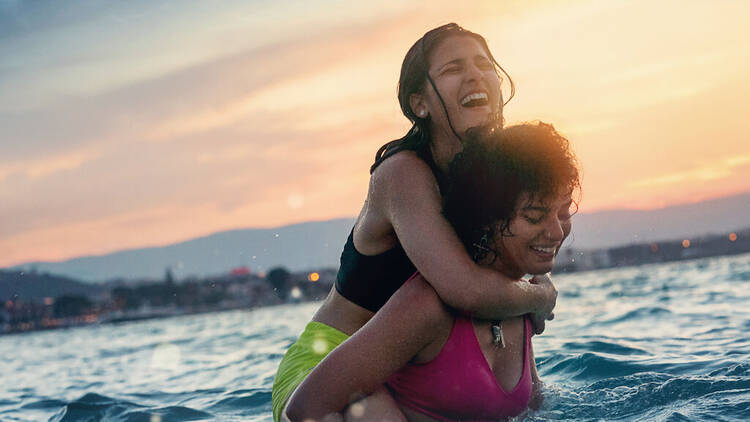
(357, 409)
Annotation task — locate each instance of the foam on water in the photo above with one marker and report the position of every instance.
(664, 342)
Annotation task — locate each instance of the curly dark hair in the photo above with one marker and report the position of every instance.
(495, 168)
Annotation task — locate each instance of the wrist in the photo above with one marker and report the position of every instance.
(545, 298)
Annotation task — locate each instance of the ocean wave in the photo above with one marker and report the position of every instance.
(96, 407)
(646, 312)
(665, 342)
(243, 399)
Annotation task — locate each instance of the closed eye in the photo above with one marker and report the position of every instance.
(451, 69)
(484, 64)
(534, 219)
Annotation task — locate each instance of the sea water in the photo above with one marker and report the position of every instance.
(665, 342)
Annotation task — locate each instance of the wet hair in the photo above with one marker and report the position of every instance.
(496, 166)
(414, 76)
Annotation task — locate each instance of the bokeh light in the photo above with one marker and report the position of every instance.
(295, 200)
(295, 293)
(320, 346)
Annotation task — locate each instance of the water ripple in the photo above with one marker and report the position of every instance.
(664, 342)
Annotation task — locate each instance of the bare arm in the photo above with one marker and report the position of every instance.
(410, 199)
(403, 327)
(536, 384)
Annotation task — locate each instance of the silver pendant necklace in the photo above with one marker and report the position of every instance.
(497, 334)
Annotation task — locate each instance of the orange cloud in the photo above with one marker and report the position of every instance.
(47, 166)
(275, 130)
(712, 172)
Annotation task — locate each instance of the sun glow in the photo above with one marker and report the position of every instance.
(208, 129)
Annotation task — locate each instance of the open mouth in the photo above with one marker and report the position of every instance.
(545, 250)
(476, 99)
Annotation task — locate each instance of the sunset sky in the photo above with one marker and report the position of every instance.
(140, 123)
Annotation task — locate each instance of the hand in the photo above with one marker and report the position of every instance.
(536, 395)
(538, 322)
(550, 297)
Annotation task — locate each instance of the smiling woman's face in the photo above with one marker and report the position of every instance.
(467, 81)
(537, 229)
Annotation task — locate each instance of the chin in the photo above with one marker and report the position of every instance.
(478, 118)
(542, 269)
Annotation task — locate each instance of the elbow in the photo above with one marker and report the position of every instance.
(301, 409)
(291, 414)
(293, 411)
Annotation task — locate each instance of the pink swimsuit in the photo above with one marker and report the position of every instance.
(458, 384)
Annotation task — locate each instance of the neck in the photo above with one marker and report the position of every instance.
(512, 272)
(444, 146)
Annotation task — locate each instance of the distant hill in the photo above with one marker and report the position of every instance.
(297, 247)
(622, 227)
(312, 245)
(35, 286)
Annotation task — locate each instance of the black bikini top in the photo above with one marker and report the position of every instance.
(370, 280)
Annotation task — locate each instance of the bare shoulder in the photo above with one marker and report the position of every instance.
(435, 319)
(419, 300)
(402, 166)
(404, 185)
(400, 178)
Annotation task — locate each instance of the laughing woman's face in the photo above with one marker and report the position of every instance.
(537, 231)
(467, 80)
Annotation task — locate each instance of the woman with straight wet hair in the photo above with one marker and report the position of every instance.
(449, 83)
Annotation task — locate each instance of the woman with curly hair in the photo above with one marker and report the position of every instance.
(510, 197)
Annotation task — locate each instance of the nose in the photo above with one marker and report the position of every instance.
(473, 72)
(554, 229)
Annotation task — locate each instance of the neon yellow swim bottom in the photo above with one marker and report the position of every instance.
(314, 344)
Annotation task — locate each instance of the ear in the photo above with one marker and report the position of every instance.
(419, 106)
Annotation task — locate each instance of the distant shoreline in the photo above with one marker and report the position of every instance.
(30, 305)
